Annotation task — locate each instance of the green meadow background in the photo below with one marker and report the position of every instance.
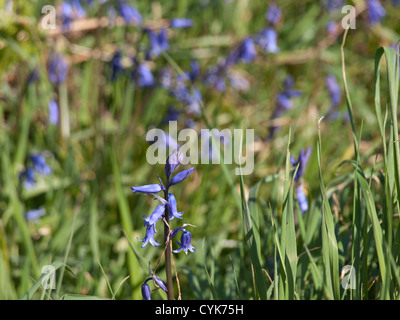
(251, 240)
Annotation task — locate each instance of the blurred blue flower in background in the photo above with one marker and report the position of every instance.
(116, 65)
(267, 39)
(34, 214)
(375, 11)
(57, 68)
(40, 165)
(300, 165)
(179, 23)
(129, 13)
(143, 76)
(28, 176)
(53, 113)
(335, 94)
(333, 5)
(246, 52)
(273, 14)
(158, 42)
(302, 161)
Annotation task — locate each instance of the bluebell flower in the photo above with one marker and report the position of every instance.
(181, 89)
(129, 13)
(35, 214)
(194, 70)
(333, 5)
(158, 42)
(144, 76)
(301, 163)
(375, 11)
(150, 188)
(67, 14)
(149, 237)
(216, 77)
(28, 176)
(166, 78)
(80, 12)
(116, 65)
(71, 10)
(181, 176)
(185, 243)
(57, 68)
(40, 165)
(155, 215)
(273, 14)
(246, 52)
(146, 293)
(335, 92)
(179, 23)
(331, 27)
(284, 101)
(160, 283)
(301, 198)
(173, 162)
(172, 208)
(53, 113)
(267, 39)
(284, 98)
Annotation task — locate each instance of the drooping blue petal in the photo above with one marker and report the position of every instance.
(172, 208)
(149, 188)
(155, 215)
(146, 293)
(149, 237)
(185, 243)
(35, 214)
(181, 176)
(173, 162)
